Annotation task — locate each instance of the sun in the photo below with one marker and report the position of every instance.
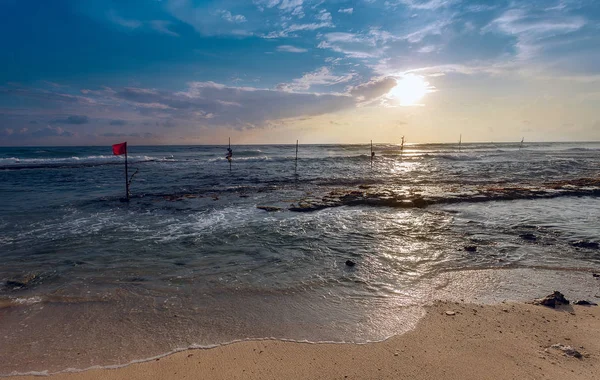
(409, 90)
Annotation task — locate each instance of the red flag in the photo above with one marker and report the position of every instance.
(119, 149)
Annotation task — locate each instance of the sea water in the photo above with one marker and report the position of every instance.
(191, 261)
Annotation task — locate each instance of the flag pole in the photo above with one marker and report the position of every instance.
(126, 176)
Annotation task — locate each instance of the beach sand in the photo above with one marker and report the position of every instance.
(505, 341)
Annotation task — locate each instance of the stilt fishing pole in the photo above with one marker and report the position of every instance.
(402, 147)
(229, 154)
(296, 163)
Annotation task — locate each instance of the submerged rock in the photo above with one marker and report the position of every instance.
(269, 208)
(350, 263)
(529, 237)
(586, 244)
(470, 248)
(585, 303)
(551, 300)
(21, 282)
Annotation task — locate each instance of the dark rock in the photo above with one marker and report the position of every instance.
(585, 303)
(595, 274)
(350, 263)
(529, 237)
(586, 244)
(269, 208)
(551, 300)
(567, 350)
(22, 282)
(14, 284)
(137, 279)
(470, 248)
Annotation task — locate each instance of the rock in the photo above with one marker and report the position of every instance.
(551, 300)
(529, 237)
(470, 248)
(595, 274)
(586, 244)
(14, 284)
(567, 350)
(450, 312)
(269, 208)
(585, 303)
(21, 283)
(350, 263)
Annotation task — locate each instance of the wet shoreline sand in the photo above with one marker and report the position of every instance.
(502, 341)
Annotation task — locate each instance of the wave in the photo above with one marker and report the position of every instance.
(15, 163)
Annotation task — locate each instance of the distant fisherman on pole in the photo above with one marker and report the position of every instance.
(229, 154)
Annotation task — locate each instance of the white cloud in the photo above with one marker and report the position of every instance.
(361, 46)
(425, 4)
(163, 27)
(311, 26)
(291, 49)
(227, 16)
(323, 16)
(319, 77)
(435, 28)
(531, 31)
(427, 49)
(346, 10)
(290, 5)
(126, 23)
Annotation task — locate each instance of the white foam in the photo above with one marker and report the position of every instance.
(27, 301)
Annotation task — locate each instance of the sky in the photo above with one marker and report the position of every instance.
(96, 72)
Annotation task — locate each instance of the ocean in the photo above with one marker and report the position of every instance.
(205, 253)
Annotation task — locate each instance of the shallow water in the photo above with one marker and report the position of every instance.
(191, 261)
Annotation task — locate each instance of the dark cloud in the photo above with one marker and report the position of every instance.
(118, 122)
(373, 89)
(50, 131)
(209, 103)
(73, 119)
(113, 134)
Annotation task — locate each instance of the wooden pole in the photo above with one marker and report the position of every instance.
(371, 154)
(126, 176)
(402, 146)
(229, 159)
(459, 142)
(296, 167)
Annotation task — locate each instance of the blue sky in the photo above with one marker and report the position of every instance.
(188, 71)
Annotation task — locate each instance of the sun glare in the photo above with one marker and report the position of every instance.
(409, 90)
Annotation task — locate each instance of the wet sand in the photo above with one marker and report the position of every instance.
(505, 341)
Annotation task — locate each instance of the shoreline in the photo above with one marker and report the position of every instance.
(505, 340)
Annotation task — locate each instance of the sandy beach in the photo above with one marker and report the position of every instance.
(453, 341)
